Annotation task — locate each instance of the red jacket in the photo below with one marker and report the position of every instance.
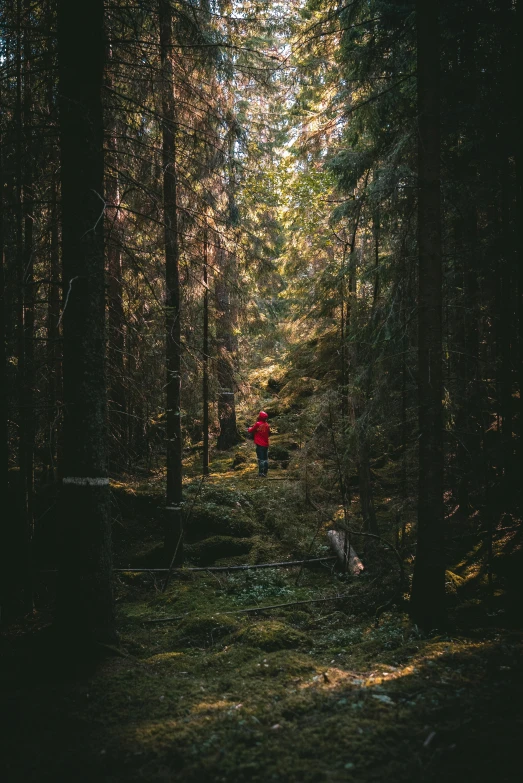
(261, 432)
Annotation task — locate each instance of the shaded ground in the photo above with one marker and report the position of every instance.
(315, 692)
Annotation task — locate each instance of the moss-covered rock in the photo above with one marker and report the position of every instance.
(272, 635)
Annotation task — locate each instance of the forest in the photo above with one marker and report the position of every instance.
(217, 215)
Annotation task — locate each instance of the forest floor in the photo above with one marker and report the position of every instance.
(310, 692)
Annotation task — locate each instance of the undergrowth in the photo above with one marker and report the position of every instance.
(316, 690)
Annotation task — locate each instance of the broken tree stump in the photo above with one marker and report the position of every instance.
(338, 541)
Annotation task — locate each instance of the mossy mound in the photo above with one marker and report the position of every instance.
(151, 558)
(136, 501)
(215, 548)
(272, 635)
(208, 628)
(266, 551)
(213, 520)
(279, 452)
(220, 496)
(299, 388)
(239, 459)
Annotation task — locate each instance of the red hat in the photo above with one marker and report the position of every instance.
(262, 416)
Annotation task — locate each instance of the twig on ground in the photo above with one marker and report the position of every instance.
(254, 609)
(191, 570)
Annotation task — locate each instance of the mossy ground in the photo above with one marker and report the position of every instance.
(304, 693)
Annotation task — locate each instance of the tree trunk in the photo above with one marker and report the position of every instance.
(519, 240)
(338, 542)
(428, 588)
(227, 319)
(116, 321)
(85, 595)
(6, 529)
(226, 348)
(173, 531)
(205, 389)
(20, 553)
(54, 364)
(27, 418)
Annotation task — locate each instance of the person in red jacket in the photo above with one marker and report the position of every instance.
(261, 432)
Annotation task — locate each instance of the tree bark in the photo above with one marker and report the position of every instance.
(54, 363)
(428, 588)
(205, 387)
(519, 239)
(85, 595)
(116, 320)
(27, 417)
(6, 529)
(227, 319)
(174, 497)
(226, 348)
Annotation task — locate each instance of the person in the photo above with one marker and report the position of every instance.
(261, 432)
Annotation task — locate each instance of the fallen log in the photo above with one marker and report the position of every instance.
(248, 567)
(338, 541)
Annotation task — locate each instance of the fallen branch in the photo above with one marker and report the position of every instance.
(260, 608)
(283, 564)
(247, 567)
(290, 603)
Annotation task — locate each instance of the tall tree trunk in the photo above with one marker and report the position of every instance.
(506, 335)
(519, 237)
(85, 595)
(509, 266)
(174, 497)
(469, 437)
(428, 588)
(54, 353)
(54, 364)
(205, 389)
(226, 349)
(5, 530)
(343, 335)
(19, 550)
(227, 318)
(116, 321)
(27, 418)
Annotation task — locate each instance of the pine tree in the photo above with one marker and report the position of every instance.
(85, 596)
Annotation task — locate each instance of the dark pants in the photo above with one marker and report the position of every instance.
(262, 452)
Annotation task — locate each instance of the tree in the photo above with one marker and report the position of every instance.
(85, 596)
(174, 496)
(428, 587)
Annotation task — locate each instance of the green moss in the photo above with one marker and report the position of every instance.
(279, 452)
(214, 520)
(272, 635)
(217, 547)
(302, 694)
(208, 628)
